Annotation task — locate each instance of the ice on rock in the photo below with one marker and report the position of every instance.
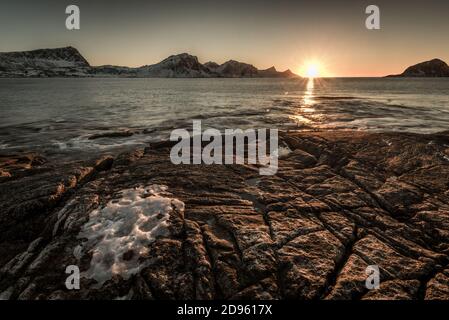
(119, 234)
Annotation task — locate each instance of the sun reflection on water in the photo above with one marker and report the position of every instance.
(306, 115)
(308, 95)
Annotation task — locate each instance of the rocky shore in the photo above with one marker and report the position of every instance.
(139, 227)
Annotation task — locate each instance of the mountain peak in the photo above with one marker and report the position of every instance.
(436, 60)
(236, 69)
(64, 62)
(64, 53)
(432, 68)
(181, 65)
(183, 55)
(212, 65)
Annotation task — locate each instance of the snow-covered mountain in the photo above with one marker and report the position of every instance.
(235, 69)
(176, 66)
(68, 62)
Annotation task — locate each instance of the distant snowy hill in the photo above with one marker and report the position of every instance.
(235, 69)
(44, 63)
(176, 66)
(68, 62)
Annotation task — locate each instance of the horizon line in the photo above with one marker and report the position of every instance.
(193, 55)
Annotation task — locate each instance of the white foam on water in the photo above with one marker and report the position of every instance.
(3, 145)
(126, 225)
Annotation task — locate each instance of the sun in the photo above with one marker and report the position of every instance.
(312, 69)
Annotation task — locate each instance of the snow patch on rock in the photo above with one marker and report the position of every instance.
(119, 233)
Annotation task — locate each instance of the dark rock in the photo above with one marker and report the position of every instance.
(340, 202)
(433, 68)
(128, 255)
(18, 164)
(113, 134)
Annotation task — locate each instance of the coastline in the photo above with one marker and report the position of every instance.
(340, 201)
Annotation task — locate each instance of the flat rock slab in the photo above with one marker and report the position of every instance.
(340, 202)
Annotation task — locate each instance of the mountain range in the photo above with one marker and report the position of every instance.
(68, 62)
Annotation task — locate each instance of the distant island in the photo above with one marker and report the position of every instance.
(68, 62)
(435, 68)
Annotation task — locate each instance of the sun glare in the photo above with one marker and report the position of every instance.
(312, 69)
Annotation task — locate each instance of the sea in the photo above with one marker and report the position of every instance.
(58, 117)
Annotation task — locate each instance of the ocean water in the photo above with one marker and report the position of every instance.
(57, 116)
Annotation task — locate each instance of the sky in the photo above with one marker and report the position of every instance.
(283, 33)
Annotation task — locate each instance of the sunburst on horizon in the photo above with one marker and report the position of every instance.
(312, 69)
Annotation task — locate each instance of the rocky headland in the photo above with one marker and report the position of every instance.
(434, 68)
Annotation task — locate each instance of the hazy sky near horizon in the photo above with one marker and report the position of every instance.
(282, 33)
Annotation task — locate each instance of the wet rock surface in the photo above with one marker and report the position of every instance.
(112, 134)
(340, 202)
